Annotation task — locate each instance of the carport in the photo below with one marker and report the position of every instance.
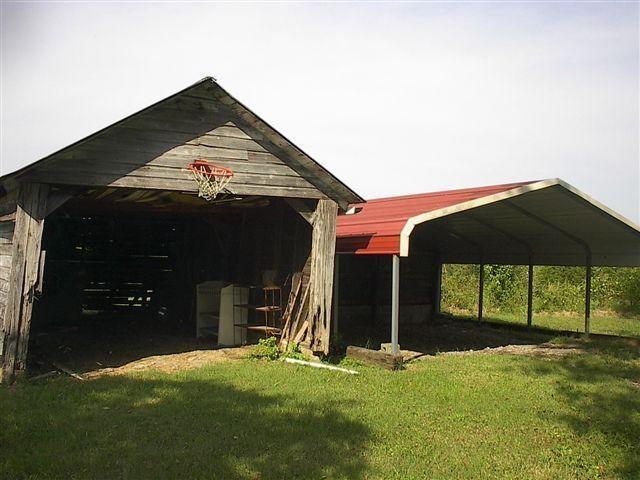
(546, 222)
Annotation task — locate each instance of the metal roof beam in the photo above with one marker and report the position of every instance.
(527, 246)
(552, 226)
(467, 240)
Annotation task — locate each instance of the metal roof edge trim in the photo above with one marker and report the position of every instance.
(460, 207)
(587, 198)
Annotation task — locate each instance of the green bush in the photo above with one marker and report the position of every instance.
(293, 351)
(266, 349)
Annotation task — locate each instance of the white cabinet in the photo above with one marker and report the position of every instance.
(208, 309)
(233, 301)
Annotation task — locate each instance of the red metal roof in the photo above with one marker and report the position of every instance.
(376, 227)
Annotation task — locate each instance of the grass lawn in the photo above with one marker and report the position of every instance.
(467, 416)
(609, 325)
(625, 326)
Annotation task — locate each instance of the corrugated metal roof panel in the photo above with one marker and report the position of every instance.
(376, 226)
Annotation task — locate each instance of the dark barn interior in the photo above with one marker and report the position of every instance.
(365, 296)
(122, 268)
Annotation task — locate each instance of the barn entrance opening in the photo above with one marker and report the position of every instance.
(123, 269)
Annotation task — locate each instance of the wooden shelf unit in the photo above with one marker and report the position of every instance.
(271, 309)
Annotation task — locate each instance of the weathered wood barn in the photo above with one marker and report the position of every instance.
(112, 225)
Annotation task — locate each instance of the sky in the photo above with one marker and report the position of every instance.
(393, 98)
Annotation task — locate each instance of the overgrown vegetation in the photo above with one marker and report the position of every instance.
(556, 289)
(267, 349)
(471, 416)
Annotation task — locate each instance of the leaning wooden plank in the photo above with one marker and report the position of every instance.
(301, 333)
(296, 284)
(375, 357)
(66, 370)
(299, 315)
(295, 361)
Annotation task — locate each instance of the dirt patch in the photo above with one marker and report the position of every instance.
(542, 350)
(175, 362)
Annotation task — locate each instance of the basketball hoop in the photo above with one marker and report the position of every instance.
(211, 178)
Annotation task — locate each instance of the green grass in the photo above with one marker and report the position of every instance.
(472, 416)
(609, 325)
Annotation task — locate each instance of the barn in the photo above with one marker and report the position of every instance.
(111, 236)
(390, 251)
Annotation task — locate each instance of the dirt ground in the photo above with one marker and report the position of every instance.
(542, 350)
(102, 344)
(175, 362)
(446, 335)
(96, 347)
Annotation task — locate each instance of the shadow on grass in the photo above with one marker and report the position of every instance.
(603, 393)
(172, 427)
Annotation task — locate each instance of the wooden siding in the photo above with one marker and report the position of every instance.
(25, 257)
(7, 226)
(152, 150)
(6, 239)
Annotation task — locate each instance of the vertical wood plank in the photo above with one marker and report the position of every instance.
(38, 196)
(323, 248)
(27, 238)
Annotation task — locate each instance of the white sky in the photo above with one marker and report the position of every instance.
(392, 98)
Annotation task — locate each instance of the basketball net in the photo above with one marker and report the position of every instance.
(211, 179)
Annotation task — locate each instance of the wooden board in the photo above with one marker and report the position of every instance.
(25, 258)
(323, 245)
(375, 357)
(7, 227)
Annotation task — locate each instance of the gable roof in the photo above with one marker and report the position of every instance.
(547, 222)
(263, 133)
